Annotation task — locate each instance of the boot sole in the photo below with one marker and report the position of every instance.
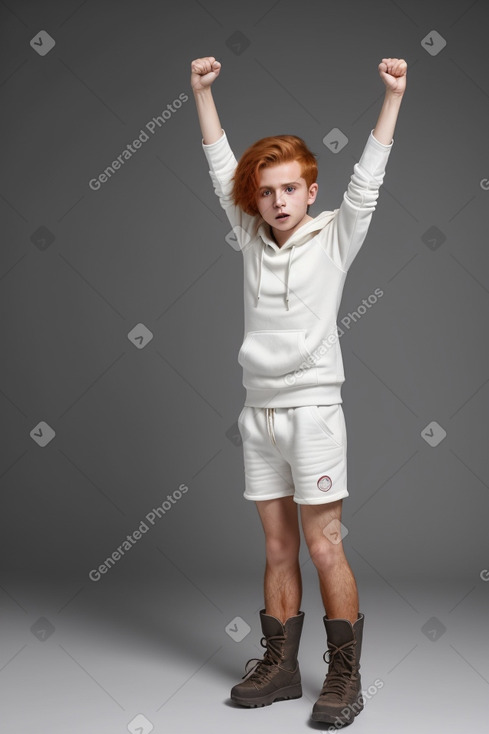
(283, 694)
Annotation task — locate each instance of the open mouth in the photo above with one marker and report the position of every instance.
(282, 216)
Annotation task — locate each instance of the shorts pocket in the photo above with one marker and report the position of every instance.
(276, 359)
(243, 422)
(330, 419)
(240, 416)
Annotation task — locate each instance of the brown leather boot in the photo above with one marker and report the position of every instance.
(341, 698)
(277, 676)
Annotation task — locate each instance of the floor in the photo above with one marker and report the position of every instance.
(143, 656)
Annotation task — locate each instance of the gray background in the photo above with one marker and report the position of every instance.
(80, 269)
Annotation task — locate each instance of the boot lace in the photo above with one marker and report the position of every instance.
(263, 669)
(340, 660)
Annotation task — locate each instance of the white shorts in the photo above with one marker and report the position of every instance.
(294, 452)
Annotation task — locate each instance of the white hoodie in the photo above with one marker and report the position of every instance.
(291, 354)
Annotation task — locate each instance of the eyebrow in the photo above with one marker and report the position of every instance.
(290, 183)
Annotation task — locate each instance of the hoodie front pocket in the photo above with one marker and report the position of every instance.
(277, 359)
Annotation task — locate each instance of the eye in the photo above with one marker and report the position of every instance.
(264, 193)
(292, 188)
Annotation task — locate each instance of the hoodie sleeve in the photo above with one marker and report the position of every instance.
(222, 165)
(345, 236)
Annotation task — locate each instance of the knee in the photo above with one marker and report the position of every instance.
(282, 549)
(324, 554)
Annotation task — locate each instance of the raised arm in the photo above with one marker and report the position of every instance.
(204, 72)
(393, 74)
(348, 230)
(220, 157)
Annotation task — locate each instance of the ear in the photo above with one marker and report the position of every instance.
(313, 192)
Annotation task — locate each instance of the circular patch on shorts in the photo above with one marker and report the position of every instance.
(324, 483)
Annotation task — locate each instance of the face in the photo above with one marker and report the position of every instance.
(283, 191)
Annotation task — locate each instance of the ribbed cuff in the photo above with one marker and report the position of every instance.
(375, 155)
(219, 154)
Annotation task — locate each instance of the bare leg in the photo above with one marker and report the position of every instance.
(283, 583)
(336, 581)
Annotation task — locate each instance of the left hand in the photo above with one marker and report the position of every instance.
(393, 74)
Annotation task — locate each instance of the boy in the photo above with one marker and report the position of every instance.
(292, 423)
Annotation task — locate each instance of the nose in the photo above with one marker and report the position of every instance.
(279, 199)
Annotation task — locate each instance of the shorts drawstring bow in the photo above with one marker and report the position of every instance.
(270, 412)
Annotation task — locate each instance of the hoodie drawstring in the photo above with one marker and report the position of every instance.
(259, 275)
(289, 266)
(291, 253)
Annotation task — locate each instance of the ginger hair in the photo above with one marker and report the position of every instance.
(270, 151)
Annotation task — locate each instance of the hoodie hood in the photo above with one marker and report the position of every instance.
(297, 239)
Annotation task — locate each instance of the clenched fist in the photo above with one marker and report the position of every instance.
(204, 72)
(393, 74)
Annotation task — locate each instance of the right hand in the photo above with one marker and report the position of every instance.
(204, 71)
